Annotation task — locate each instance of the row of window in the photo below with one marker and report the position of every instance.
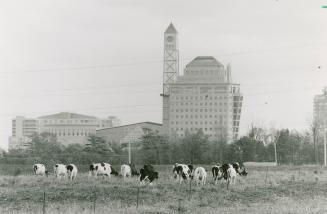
(199, 110)
(199, 116)
(203, 97)
(200, 104)
(198, 122)
(69, 121)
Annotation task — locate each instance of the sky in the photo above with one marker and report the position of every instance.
(104, 57)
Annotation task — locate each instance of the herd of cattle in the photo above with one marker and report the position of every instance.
(182, 172)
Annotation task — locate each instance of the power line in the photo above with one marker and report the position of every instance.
(92, 67)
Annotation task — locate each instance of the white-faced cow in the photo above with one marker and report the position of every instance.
(39, 169)
(60, 171)
(182, 172)
(148, 173)
(71, 171)
(200, 176)
(217, 173)
(102, 169)
(240, 169)
(128, 170)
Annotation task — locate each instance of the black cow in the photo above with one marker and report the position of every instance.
(148, 173)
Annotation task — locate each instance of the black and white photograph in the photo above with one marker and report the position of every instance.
(163, 106)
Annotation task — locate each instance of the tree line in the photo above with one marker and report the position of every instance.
(258, 145)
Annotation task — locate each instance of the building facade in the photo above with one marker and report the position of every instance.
(203, 98)
(68, 127)
(320, 110)
(128, 133)
(22, 128)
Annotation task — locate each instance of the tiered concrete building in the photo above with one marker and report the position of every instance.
(204, 97)
(128, 133)
(68, 127)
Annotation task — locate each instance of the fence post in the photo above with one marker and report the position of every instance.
(137, 197)
(189, 194)
(43, 208)
(266, 176)
(95, 198)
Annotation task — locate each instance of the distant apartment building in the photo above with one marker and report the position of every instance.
(22, 128)
(128, 133)
(320, 109)
(68, 127)
(203, 98)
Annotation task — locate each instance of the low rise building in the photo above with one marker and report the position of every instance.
(128, 133)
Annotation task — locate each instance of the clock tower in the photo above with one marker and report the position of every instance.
(170, 71)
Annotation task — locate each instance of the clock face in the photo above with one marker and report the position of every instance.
(170, 39)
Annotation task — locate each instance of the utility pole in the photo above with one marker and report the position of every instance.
(129, 152)
(324, 132)
(275, 153)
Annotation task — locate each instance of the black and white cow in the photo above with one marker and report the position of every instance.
(148, 173)
(39, 169)
(240, 169)
(229, 173)
(217, 173)
(182, 172)
(102, 169)
(71, 171)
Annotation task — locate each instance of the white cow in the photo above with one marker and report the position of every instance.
(71, 171)
(102, 169)
(200, 176)
(39, 169)
(60, 171)
(231, 175)
(125, 171)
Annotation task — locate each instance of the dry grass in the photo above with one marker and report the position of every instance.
(286, 190)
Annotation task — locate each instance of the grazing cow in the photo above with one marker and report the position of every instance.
(182, 172)
(60, 170)
(39, 169)
(134, 171)
(71, 171)
(200, 176)
(240, 169)
(231, 175)
(217, 173)
(125, 171)
(102, 169)
(148, 173)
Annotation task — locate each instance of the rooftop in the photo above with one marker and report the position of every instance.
(171, 29)
(204, 61)
(67, 115)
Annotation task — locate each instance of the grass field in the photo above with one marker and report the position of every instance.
(282, 189)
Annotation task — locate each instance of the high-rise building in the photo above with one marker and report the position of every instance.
(205, 98)
(320, 109)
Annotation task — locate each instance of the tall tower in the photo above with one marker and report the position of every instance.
(170, 71)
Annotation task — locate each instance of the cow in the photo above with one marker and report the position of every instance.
(128, 170)
(148, 173)
(125, 171)
(240, 169)
(217, 173)
(71, 171)
(102, 169)
(60, 171)
(200, 176)
(231, 175)
(134, 171)
(39, 169)
(183, 172)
